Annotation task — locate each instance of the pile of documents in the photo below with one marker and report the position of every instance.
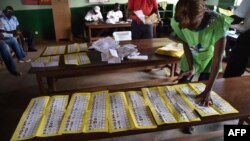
(102, 111)
(112, 52)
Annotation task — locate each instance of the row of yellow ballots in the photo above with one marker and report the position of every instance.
(114, 112)
(76, 55)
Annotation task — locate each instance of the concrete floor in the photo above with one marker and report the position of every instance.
(16, 92)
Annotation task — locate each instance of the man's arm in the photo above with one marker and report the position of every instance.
(237, 19)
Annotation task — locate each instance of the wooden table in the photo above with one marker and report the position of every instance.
(235, 90)
(145, 47)
(91, 26)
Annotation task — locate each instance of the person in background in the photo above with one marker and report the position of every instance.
(138, 28)
(203, 35)
(115, 15)
(238, 58)
(94, 15)
(6, 54)
(11, 28)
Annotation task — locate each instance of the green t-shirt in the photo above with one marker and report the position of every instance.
(202, 42)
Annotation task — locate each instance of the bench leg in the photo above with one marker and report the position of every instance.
(40, 84)
(51, 84)
(246, 120)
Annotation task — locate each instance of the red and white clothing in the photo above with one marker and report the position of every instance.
(147, 7)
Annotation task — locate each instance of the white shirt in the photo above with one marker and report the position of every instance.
(114, 16)
(243, 11)
(92, 17)
(8, 24)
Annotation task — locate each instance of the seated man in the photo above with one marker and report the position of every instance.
(6, 55)
(10, 28)
(94, 15)
(114, 15)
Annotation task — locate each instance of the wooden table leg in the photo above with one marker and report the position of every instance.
(40, 84)
(172, 69)
(51, 84)
(90, 35)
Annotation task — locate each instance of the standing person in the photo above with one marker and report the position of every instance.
(94, 15)
(138, 28)
(203, 35)
(115, 15)
(238, 58)
(11, 28)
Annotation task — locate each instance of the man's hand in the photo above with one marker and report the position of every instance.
(186, 73)
(17, 33)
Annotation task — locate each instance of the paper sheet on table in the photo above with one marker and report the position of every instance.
(232, 33)
(54, 50)
(126, 50)
(76, 47)
(104, 44)
(48, 61)
(138, 57)
(111, 59)
(172, 49)
(76, 59)
(140, 15)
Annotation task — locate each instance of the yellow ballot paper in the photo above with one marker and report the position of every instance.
(76, 47)
(76, 59)
(139, 111)
(161, 111)
(73, 121)
(47, 61)
(52, 119)
(54, 50)
(219, 104)
(119, 116)
(181, 110)
(97, 116)
(225, 12)
(31, 119)
(190, 95)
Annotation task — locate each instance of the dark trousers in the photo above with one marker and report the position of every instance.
(238, 58)
(202, 76)
(141, 30)
(28, 38)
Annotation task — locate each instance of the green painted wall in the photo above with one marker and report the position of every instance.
(40, 21)
(39, 17)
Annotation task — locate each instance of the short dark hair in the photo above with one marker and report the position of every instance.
(189, 13)
(9, 8)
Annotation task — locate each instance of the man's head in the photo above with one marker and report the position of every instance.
(96, 9)
(8, 11)
(116, 7)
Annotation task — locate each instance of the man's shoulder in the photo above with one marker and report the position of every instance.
(14, 18)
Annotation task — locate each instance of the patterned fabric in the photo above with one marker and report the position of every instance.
(202, 42)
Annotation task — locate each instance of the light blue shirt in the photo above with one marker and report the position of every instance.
(8, 24)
